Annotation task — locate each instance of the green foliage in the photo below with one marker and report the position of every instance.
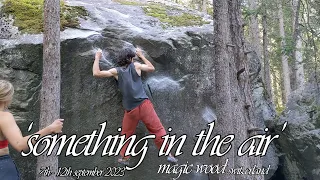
(210, 10)
(29, 14)
(247, 12)
(289, 45)
(309, 27)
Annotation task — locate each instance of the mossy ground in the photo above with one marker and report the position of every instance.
(132, 3)
(161, 12)
(210, 10)
(29, 14)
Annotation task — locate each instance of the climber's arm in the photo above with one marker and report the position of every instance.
(147, 66)
(96, 69)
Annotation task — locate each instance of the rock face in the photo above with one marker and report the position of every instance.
(300, 141)
(181, 88)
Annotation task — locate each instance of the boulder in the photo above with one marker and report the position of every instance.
(300, 141)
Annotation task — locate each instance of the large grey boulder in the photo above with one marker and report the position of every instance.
(300, 141)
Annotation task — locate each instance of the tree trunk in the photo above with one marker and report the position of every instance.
(295, 18)
(267, 77)
(254, 30)
(241, 90)
(299, 64)
(276, 81)
(297, 43)
(51, 77)
(233, 89)
(222, 75)
(284, 57)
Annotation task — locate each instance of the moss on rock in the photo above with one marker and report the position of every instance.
(160, 12)
(29, 14)
(182, 19)
(131, 3)
(210, 10)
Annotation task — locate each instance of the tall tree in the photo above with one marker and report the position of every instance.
(233, 90)
(299, 69)
(267, 77)
(222, 75)
(284, 57)
(254, 31)
(51, 77)
(297, 43)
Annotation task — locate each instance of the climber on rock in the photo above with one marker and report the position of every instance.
(135, 101)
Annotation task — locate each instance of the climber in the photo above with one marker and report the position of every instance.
(10, 133)
(135, 101)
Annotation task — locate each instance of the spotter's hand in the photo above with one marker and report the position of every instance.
(56, 126)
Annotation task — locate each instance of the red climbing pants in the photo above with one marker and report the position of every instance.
(149, 117)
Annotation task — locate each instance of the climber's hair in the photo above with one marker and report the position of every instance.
(6, 92)
(125, 56)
